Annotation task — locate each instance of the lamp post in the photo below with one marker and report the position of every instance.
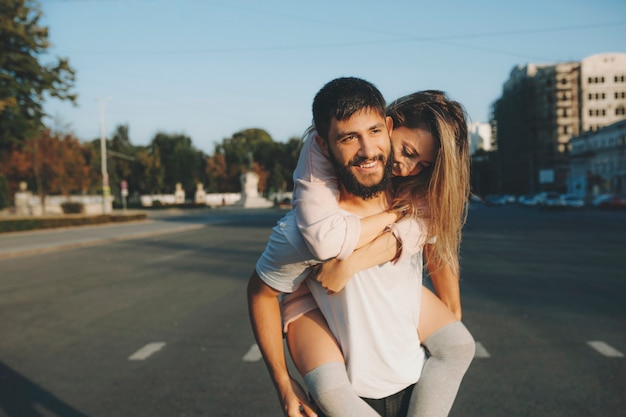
(106, 189)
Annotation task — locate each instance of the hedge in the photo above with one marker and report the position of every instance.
(19, 224)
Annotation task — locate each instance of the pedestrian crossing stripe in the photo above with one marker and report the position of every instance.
(605, 349)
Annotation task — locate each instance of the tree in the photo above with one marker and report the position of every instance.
(181, 161)
(121, 160)
(50, 163)
(149, 175)
(24, 81)
(4, 192)
(216, 172)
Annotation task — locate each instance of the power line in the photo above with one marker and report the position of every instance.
(350, 44)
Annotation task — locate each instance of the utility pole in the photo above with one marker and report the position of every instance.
(106, 189)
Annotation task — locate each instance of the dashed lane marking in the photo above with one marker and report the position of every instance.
(253, 354)
(146, 351)
(481, 352)
(605, 349)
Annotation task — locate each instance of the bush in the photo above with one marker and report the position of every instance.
(4, 192)
(72, 207)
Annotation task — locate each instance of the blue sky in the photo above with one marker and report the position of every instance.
(208, 69)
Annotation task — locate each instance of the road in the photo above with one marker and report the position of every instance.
(153, 322)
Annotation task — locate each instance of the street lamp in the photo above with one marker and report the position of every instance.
(106, 189)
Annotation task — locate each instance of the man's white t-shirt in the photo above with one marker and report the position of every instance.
(375, 319)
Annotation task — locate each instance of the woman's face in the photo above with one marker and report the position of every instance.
(413, 150)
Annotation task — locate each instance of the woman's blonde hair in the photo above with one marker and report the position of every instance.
(445, 186)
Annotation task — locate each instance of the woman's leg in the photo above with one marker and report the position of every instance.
(319, 360)
(451, 350)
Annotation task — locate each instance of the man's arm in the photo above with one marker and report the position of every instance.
(445, 281)
(265, 318)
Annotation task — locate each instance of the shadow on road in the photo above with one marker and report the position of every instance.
(20, 397)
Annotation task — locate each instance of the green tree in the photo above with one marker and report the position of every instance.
(181, 162)
(121, 161)
(25, 82)
(148, 173)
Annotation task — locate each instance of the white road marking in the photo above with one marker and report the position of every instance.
(481, 352)
(605, 349)
(253, 354)
(146, 351)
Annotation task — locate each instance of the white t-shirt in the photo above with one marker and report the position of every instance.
(375, 319)
(284, 263)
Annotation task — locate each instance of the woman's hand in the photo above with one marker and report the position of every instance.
(296, 403)
(333, 275)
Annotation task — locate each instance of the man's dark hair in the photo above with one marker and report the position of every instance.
(343, 97)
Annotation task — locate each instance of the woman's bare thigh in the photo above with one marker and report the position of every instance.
(311, 342)
(434, 314)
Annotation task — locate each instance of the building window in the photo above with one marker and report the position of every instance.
(565, 129)
(620, 111)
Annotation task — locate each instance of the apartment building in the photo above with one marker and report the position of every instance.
(598, 162)
(542, 107)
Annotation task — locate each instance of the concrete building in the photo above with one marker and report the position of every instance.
(542, 107)
(598, 162)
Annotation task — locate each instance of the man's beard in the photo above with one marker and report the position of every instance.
(352, 184)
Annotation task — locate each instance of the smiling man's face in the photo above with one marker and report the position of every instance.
(360, 150)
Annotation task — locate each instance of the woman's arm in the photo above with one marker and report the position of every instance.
(328, 231)
(445, 281)
(401, 240)
(334, 274)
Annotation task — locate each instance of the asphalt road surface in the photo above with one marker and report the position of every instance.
(154, 321)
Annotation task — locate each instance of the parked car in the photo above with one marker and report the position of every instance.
(509, 198)
(495, 200)
(573, 201)
(615, 202)
(553, 201)
(600, 198)
(528, 200)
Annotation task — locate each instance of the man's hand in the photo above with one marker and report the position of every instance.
(295, 402)
(333, 275)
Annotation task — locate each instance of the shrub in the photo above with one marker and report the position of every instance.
(72, 207)
(4, 192)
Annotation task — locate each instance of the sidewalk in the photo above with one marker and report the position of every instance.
(40, 241)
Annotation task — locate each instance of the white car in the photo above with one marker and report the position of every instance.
(554, 201)
(573, 201)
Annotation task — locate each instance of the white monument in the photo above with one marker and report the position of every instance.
(250, 197)
(179, 194)
(200, 197)
(23, 197)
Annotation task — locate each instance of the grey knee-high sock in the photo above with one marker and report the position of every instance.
(451, 351)
(330, 388)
